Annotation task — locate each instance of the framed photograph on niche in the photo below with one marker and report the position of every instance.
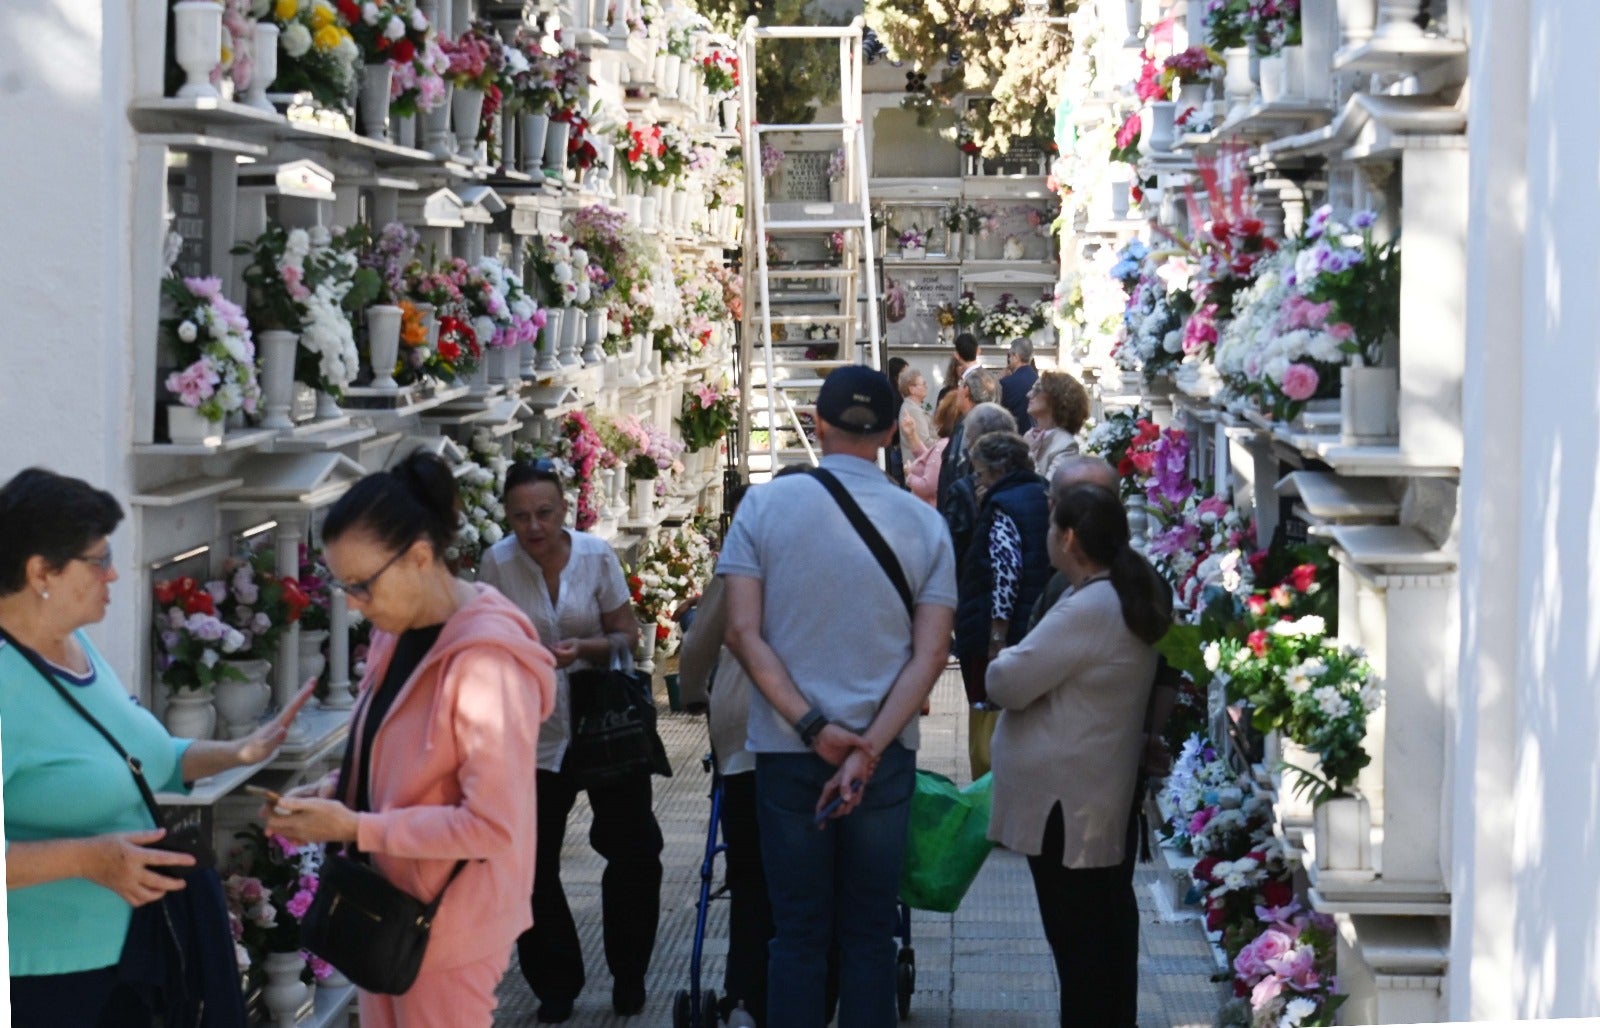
(912, 297)
(922, 216)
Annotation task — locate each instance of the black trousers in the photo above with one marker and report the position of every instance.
(749, 910)
(1091, 919)
(626, 834)
(82, 999)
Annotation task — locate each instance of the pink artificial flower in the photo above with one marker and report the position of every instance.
(204, 288)
(195, 384)
(1266, 990)
(299, 903)
(292, 282)
(1300, 382)
(1201, 818)
(321, 970)
(1342, 331)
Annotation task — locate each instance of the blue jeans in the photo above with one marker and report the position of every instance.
(836, 884)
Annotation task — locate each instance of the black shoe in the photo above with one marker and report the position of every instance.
(627, 1000)
(554, 1011)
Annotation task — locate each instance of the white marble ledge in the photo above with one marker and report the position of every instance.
(1399, 946)
(390, 418)
(1328, 497)
(189, 490)
(329, 437)
(1400, 55)
(1393, 550)
(330, 1007)
(325, 731)
(230, 441)
(1383, 460)
(208, 791)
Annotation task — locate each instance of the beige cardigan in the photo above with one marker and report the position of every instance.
(1074, 693)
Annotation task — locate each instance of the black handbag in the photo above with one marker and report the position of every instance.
(372, 931)
(613, 728)
(185, 825)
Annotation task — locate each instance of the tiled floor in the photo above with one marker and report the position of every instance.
(986, 964)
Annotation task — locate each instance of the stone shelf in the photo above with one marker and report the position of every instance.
(233, 441)
(187, 491)
(1272, 120)
(207, 791)
(1326, 497)
(325, 731)
(1399, 55)
(1391, 549)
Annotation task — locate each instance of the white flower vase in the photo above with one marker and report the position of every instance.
(528, 358)
(1138, 520)
(478, 379)
(646, 349)
(1343, 827)
(572, 325)
(633, 208)
(186, 426)
(197, 45)
(374, 100)
(686, 82)
(1120, 198)
(646, 662)
(436, 124)
(1274, 77)
(535, 127)
(1295, 73)
(327, 407)
(403, 131)
(555, 149)
(277, 376)
(1397, 19)
(240, 702)
(680, 211)
(383, 344)
(617, 501)
(644, 499)
(668, 82)
(970, 240)
(284, 994)
(190, 714)
(466, 112)
(1236, 84)
(1162, 130)
(728, 110)
(266, 66)
(630, 363)
(594, 332)
(313, 659)
(548, 337)
(649, 208)
(1357, 20)
(912, 253)
(1369, 404)
(1192, 97)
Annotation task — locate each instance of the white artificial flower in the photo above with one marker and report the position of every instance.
(369, 13)
(419, 21)
(296, 39)
(209, 657)
(1296, 1011)
(1330, 702)
(1371, 696)
(297, 243)
(394, 29)
(319, 236)
(187, 331)
(1307, 627)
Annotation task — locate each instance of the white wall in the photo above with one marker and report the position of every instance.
(1526, 932)
(66, 403)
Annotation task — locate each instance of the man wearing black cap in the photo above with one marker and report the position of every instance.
(842, 658)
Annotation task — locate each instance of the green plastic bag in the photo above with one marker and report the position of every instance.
(947, 841)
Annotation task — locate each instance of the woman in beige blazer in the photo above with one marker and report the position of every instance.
(1066, 751)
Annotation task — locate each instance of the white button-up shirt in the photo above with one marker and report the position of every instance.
(591, 584)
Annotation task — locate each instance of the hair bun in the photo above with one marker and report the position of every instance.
(429, 480)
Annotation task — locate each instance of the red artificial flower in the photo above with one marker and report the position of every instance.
(662, 631)
(1136, 194)
(295, 598)
(199, 602)
(1303, 577)
(173, 590)
(404, 51)
(1258, 642)
(1257, 561)
(449, 350)
(1216, 919)
(1276, 893)
(1204, 868)
(1256, 604)
(349, 10)
(1281, 597)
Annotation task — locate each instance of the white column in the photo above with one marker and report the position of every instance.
(339, 697)
(286, 670)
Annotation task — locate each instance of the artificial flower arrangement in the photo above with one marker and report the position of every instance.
(1228, 23)
(720, 72)
(1198, 779)
(238, 56)
(1008, 319)
(522, 317)
(1151, 85)
(269, 889)
(1287, 974)
(585, 453)
(642, 448)
(530, 79)
(1271, 25)
(417, 84)
(1203, 546)
(476, 58)
(709, 411)
(630, 258)
(211, 339)
(193, 644)
(655, 154)
(1125, 144)
(968, 311)
(481, 481)
(561, 270)
(1115, 436)
(257, 602)
(771, 159)
(307, 282)
(386, 31)
(1197, 64)
(314, 582)
(671, 568)
(457, 348)
(316, 52)
(1159, 300)
(838, 167)
(912, 238)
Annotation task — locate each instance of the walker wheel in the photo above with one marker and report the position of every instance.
(680, 1010)
(905, 980)
(708, 1010)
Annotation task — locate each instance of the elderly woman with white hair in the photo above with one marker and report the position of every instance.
(916, 425)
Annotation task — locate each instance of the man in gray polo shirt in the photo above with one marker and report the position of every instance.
(841, 668)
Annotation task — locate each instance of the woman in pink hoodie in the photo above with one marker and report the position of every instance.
(442, 743)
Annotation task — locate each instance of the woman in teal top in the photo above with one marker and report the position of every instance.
(79, 839)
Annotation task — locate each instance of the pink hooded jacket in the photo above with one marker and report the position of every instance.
(452, 776)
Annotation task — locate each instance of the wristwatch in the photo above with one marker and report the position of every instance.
(810, 725)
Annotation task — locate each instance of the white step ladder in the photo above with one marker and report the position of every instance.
(783, 393)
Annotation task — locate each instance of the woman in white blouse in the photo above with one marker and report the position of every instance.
(1066, 751)
(571, 586)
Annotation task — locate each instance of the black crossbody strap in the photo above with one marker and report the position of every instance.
(134, 766)
(869, 535)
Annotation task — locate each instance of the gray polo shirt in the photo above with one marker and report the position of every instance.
(828, 609)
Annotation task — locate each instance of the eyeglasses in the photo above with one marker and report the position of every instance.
(362, 590)
(102, 561)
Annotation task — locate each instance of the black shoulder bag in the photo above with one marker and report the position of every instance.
(373, 932)
(869, 535)
(613, 728)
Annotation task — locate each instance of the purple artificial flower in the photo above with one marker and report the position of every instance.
(1318, 221)
(1364, 220)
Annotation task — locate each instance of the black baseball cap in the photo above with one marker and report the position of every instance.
(858, 399)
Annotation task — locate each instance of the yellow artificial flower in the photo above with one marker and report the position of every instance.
(227, 56)
(328, 37)
(322, 15)
(286, 9)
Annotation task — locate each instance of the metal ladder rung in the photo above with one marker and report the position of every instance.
(813, 319)
(796, 273)
(818, 364)
(830, 126)
(819, 225)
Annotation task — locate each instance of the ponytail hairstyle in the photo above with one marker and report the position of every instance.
(415, 499)
(1095, 515)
